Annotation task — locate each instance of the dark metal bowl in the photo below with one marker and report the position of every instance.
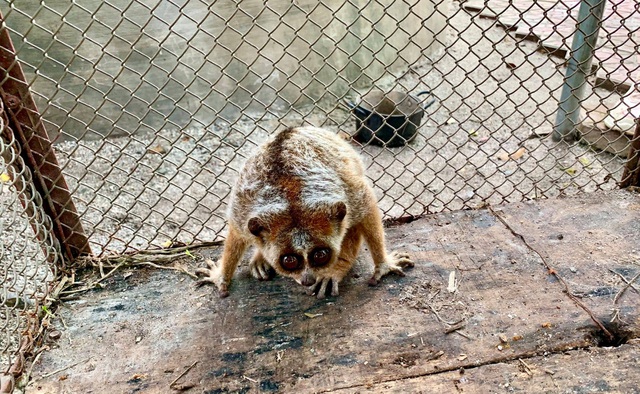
(388, 119)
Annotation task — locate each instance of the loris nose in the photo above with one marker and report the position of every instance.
(307, 279)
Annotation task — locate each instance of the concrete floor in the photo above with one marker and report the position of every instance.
(524, 277)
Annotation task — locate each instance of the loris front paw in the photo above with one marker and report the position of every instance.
(260, 269)
(328, 279)
(319, 289)
(394, 264)
(213, 276)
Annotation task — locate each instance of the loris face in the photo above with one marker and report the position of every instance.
(299, 255)
(304, 250)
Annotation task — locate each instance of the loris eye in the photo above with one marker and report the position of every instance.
(320, 256)
(290, 262)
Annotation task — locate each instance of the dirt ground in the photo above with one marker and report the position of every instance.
(494, 91)
(515, 297)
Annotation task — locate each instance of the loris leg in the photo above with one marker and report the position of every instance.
(221, 272)
(385, 263)
(346, 259)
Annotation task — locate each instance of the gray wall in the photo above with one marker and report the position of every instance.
(129, 66)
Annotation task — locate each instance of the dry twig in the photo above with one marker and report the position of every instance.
(455, 327)
(182, 374)
(527, 369)
(629, 284)
(553, 272)
(63, 369)
(151, 258)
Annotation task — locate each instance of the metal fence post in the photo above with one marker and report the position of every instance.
(579, 67)
(631, 173)
(37, 152)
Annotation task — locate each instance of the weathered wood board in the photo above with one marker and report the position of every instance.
(141, 333)
(592, 244)
(596, 134)
(596, 370)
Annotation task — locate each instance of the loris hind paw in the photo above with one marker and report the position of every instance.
(394, 264)
(213, 275)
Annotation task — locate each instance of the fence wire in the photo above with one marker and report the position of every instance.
(28, 257)
(153, 105)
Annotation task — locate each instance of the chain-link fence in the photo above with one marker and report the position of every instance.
(153, 105)
(28, 257)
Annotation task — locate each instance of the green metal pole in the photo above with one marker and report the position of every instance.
(579, 67)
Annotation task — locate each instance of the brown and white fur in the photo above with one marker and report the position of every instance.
(303, 201)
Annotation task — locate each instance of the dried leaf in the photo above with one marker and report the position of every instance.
(167, 244)
(546, 325)
(5, 178)
(518, 154)
(510, 66)
(585, 162)
(502, 155)
(517, 337)
(570, 171)
(503, 338)
(312, 315)
(159, 149)
(473, 133)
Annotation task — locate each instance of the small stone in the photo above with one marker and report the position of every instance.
(573, 269)
(55, 334)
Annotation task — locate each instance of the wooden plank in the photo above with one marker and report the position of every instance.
(614, 370)
(591, 243)
(594, 133)
(270, 336)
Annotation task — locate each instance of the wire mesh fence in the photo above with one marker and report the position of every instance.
(28, 257)
(153, 105)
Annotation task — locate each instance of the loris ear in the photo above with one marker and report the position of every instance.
(339, 211)
(256, 226)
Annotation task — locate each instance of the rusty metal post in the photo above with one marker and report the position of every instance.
(631, 173)
(37, 153)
